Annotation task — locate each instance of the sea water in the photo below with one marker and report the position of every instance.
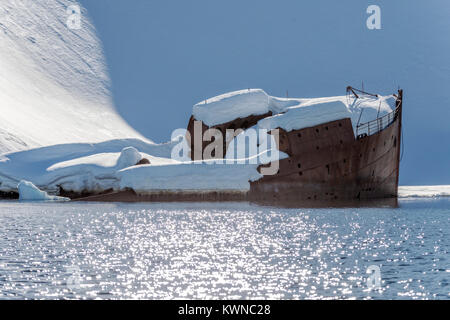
(224, 250)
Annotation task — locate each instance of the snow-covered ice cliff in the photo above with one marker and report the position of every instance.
(54, 85)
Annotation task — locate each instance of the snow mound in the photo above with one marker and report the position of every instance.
(79, 166)
(29, 192)
(232, 105)
(129, 156)
(54, 85)
(110, 165)
(189, 176)
(230, 174)
(296, 118)
(291, 113)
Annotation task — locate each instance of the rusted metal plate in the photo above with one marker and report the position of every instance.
(239, 123)
(167, 196)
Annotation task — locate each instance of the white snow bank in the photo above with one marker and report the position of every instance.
(424, 191)
(110, 160)
(232, 105)
(91, 173)
(188, 176)
(300, 112)
(29, 192)
(128, 157)
(79, 166)
(54, 85)
(99, 167)
(296, 118)
(195, 175)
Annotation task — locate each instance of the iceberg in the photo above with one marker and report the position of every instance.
(29, 192)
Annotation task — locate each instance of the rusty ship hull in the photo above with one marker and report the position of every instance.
(328, 163)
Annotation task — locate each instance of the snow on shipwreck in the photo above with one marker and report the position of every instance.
(343, 147)
(337, 148)
(60, 133)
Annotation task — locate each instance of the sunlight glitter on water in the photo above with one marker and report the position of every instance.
(222, 250)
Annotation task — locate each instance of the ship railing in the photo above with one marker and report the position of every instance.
(377, 125)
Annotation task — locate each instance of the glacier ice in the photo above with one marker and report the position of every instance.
(29, 192)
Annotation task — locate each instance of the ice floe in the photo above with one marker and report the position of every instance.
(29, 192)
(424, 191)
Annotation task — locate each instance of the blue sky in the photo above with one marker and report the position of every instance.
(164, 56)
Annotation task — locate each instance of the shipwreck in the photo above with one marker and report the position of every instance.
(332, 161)
(240, 146)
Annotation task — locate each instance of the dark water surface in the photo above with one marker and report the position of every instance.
(223, 250)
